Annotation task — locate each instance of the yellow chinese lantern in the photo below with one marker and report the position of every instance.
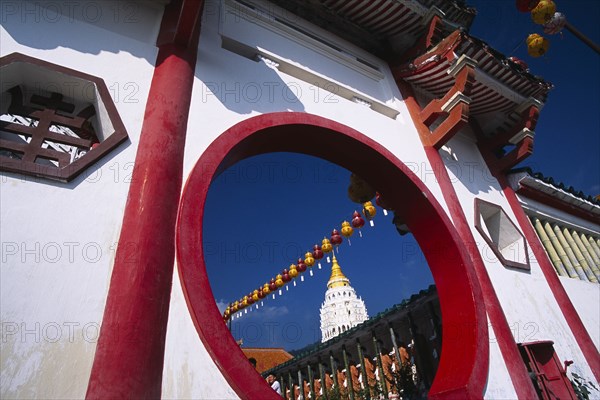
(543, 12)
(279, 281)
(266, 289)
(309, 260)
(347, 230)
(293, 271)
(326, 246)
(537, 45)
(369, 210)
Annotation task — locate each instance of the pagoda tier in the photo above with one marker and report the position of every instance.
(342, 309)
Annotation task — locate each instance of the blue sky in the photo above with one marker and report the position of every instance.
(265, 212)
(567, 141)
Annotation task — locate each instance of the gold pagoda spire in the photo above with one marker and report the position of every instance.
(337, 277)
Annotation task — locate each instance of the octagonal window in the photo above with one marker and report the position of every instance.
(501, 234)
(54, 121)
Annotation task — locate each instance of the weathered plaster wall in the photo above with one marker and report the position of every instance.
(528, 303)
(230, 88)
(58, 239)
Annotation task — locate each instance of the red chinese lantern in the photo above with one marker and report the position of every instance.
(317, 252)
(285, 276)
(272, 285)
(301, 266)
(357, 222)
(251, 298)
(261, 293)
(526, 5)
(336, 238)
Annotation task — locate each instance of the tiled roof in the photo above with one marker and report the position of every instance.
(267, 358)
(558, 185)
(407, 303)
(381, 27)
(500, 86)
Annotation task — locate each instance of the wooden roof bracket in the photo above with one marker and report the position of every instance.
(521, 135)
(522, 150)
(434, 19)
(529, 112)
(454, 105)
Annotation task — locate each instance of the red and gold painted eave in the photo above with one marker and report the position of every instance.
(466, 82)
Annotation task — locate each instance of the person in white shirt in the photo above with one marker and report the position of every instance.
(274, 383)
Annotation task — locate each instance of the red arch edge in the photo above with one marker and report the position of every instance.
(463, 368)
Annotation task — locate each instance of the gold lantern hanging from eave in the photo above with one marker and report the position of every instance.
(543, 12)
(537, 45)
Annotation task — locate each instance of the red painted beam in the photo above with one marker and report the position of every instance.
(425, 41)
(456, 118)
(580, 333)
(557, 203)
(508, 347)
(444, 49)
(529, 118)
(130, 352)
(522, 150)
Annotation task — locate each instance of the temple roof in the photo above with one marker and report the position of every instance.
(540, 177)
(266, 358)
(501, 88)
(367, 326)
(545, 190)
(382, 27)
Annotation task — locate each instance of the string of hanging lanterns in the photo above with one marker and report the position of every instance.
(358, 192)
(543, 12)
(311, 258)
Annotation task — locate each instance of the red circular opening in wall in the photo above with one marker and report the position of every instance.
(463, 315)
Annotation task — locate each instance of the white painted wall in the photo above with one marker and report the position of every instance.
(230, 88)
(528, 303)
(496, 387)
(58, 239)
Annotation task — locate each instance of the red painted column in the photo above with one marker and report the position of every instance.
(508, 347)
(580, 333)
(130, 350)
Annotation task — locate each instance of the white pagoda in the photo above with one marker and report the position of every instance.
(342, 308)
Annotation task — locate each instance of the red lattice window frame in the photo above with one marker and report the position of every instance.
(54, 121)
